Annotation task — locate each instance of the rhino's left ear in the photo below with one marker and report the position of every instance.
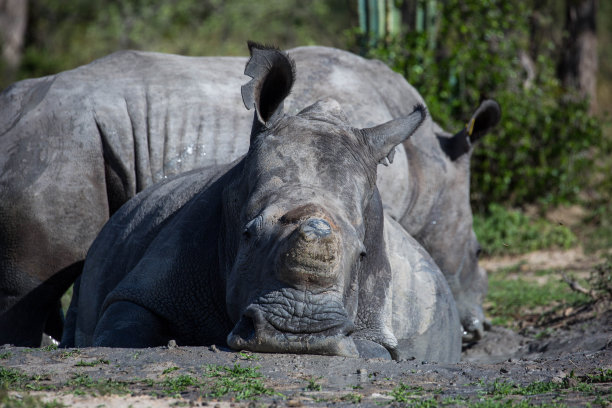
(273, 74)
(482, 121)
(383, 138)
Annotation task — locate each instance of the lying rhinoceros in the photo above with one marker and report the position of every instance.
(285, 250)
(81, 143)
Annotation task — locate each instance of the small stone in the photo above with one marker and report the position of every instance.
(294, 403)
(363, 375)
(172, 344)
(503, 370)
(214, 349)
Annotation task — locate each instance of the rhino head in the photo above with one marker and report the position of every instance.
(303, 223)
(441, 216)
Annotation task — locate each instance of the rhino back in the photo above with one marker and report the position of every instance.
(167, 114)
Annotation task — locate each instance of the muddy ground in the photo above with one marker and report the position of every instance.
(568, 361)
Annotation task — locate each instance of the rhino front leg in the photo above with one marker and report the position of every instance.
(126, 324)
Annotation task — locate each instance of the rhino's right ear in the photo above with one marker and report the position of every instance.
(273, 74)
(482, 121)
(383, 138)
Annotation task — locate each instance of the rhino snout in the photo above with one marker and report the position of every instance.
(310, 254)
(289, 334)
(474, 325)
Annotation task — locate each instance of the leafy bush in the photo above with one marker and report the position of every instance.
(65, 34)
(541, 147)
(505, 232)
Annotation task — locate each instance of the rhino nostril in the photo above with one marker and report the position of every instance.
(245, 329)
(315, 228)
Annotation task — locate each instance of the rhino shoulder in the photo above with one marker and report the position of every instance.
(421, 308)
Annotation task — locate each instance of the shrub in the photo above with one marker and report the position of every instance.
(540, 150)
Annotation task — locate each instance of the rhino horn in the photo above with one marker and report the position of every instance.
(273, 74)
(383, 138)
(482, 121)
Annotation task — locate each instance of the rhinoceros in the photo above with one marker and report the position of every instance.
(81, 143)
(284, 250)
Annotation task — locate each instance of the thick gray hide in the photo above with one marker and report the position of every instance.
(418, 308)
(286, 250)
(83, 142)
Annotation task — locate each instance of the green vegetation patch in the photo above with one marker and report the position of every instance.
(27, 401)
(12, 378)
(582, 384)
(70, 353)
(510, 300)
(508, 232)
(83, 384)
(176, 385)
(313, 384)
(241, 382)
(406, 393)
(93, 363)
(353, 398)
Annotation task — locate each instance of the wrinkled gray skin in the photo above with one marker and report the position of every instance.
(286, 250)
(81, 143)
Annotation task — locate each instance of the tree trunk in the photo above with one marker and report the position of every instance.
(13, 20)
(578, 66)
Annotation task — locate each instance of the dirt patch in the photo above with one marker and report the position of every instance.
(573, 259)
(503, 365)
(563, 358)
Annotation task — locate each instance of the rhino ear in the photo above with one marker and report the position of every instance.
(482, 121)
(273, 74)
(383, 138)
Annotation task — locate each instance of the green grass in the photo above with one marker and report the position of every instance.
(510, 232)
(169, 370)
(313, 384)
(582, 384)
(241, 382)
(352, 398)
(238, 382)
(248, 356)
(11, 378)
(5, 356)
(176, 385)
(26, 401)
(83, 384)
(405, 393)
(71, 353)
(602, 376)
(509, 300)
(93, 363)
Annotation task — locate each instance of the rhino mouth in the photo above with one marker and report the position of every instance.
(292, 321)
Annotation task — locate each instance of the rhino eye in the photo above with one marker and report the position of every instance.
(362, 252)
(478, 251)
(252, 228)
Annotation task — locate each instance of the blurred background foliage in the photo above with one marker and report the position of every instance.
(62, 34)
(553, 145)
(497, 49)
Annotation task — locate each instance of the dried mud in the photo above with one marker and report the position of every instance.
(553, 364)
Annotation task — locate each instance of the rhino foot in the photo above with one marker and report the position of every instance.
(370, 349)
(474, 329)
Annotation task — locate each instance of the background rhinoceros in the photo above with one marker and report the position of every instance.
(286, 250)
(83, 142)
